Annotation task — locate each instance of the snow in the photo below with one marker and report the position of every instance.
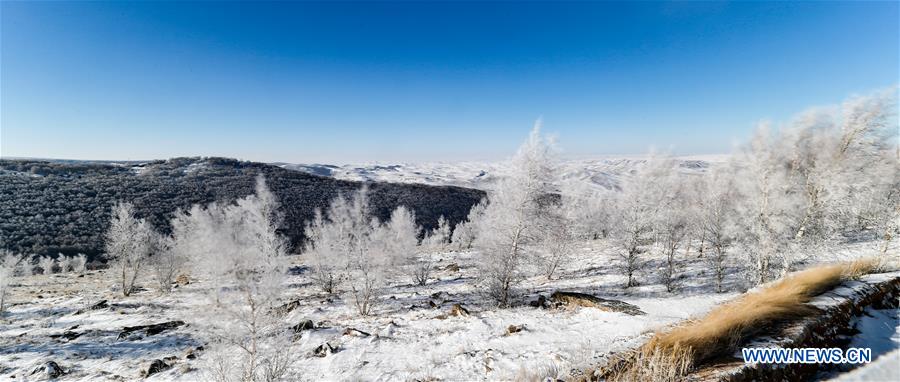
(885, 368)
(600, 173)
(408, 339)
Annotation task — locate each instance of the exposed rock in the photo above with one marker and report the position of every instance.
(193, 353)
(324, 350)
(514, 329)
(541, 302)
(589, 301)
(303, 325)
(50, 369)
(355, 332)
(155, 367)
(100, 305)
(67, 335)
(458, 310)
(287, 308)
(455, 310)
(440, 295)
(149, 330)
(182, 279)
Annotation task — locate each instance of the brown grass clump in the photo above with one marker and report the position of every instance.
(669, 355)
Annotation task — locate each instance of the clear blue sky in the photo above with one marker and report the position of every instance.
(338, 83)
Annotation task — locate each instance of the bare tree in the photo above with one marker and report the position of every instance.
(127, 245)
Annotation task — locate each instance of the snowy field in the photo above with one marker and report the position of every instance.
(409, 339)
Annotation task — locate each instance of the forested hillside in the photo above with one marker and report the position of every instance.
(50, 206)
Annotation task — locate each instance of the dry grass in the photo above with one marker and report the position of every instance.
(671, 354)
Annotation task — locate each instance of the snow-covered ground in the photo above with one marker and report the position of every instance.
(602, 173)
(408, 341)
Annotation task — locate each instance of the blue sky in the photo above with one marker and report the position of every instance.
(351, 82)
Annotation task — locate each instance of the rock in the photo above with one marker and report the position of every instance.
(440, 295)
(67, 335)
(514, 329)
(324, 350)
(458, 310)
(355, 332)
(541, 302)
(193, 353)
(287, 308)
(303, 325)
(155, 367)
(149, 330)
(50, 369)
(589, 301)
(100, 305)
(182, 279)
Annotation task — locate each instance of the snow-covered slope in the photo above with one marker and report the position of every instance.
(603, 173)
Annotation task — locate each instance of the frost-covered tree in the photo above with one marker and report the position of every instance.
(714, 219)
(47, 264)
(128, 244)
(672, 223)
(333, 236)
(587, 210)
(767, 207)
(9, 263)
(79, 263)
(402, 240)
(838, 157)
(322, 252)
(557, 242)
(816, 180)
(634, 213)
(168, 259)
(515, 217)
(465, 232)
(250, 341)
(438, 239)
(347, 239)
(64, 263)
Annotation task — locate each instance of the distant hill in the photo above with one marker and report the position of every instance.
(51, 206)
(604, 174)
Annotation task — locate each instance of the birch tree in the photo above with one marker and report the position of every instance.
(250, 341)
(127, 245)
(516, 213)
